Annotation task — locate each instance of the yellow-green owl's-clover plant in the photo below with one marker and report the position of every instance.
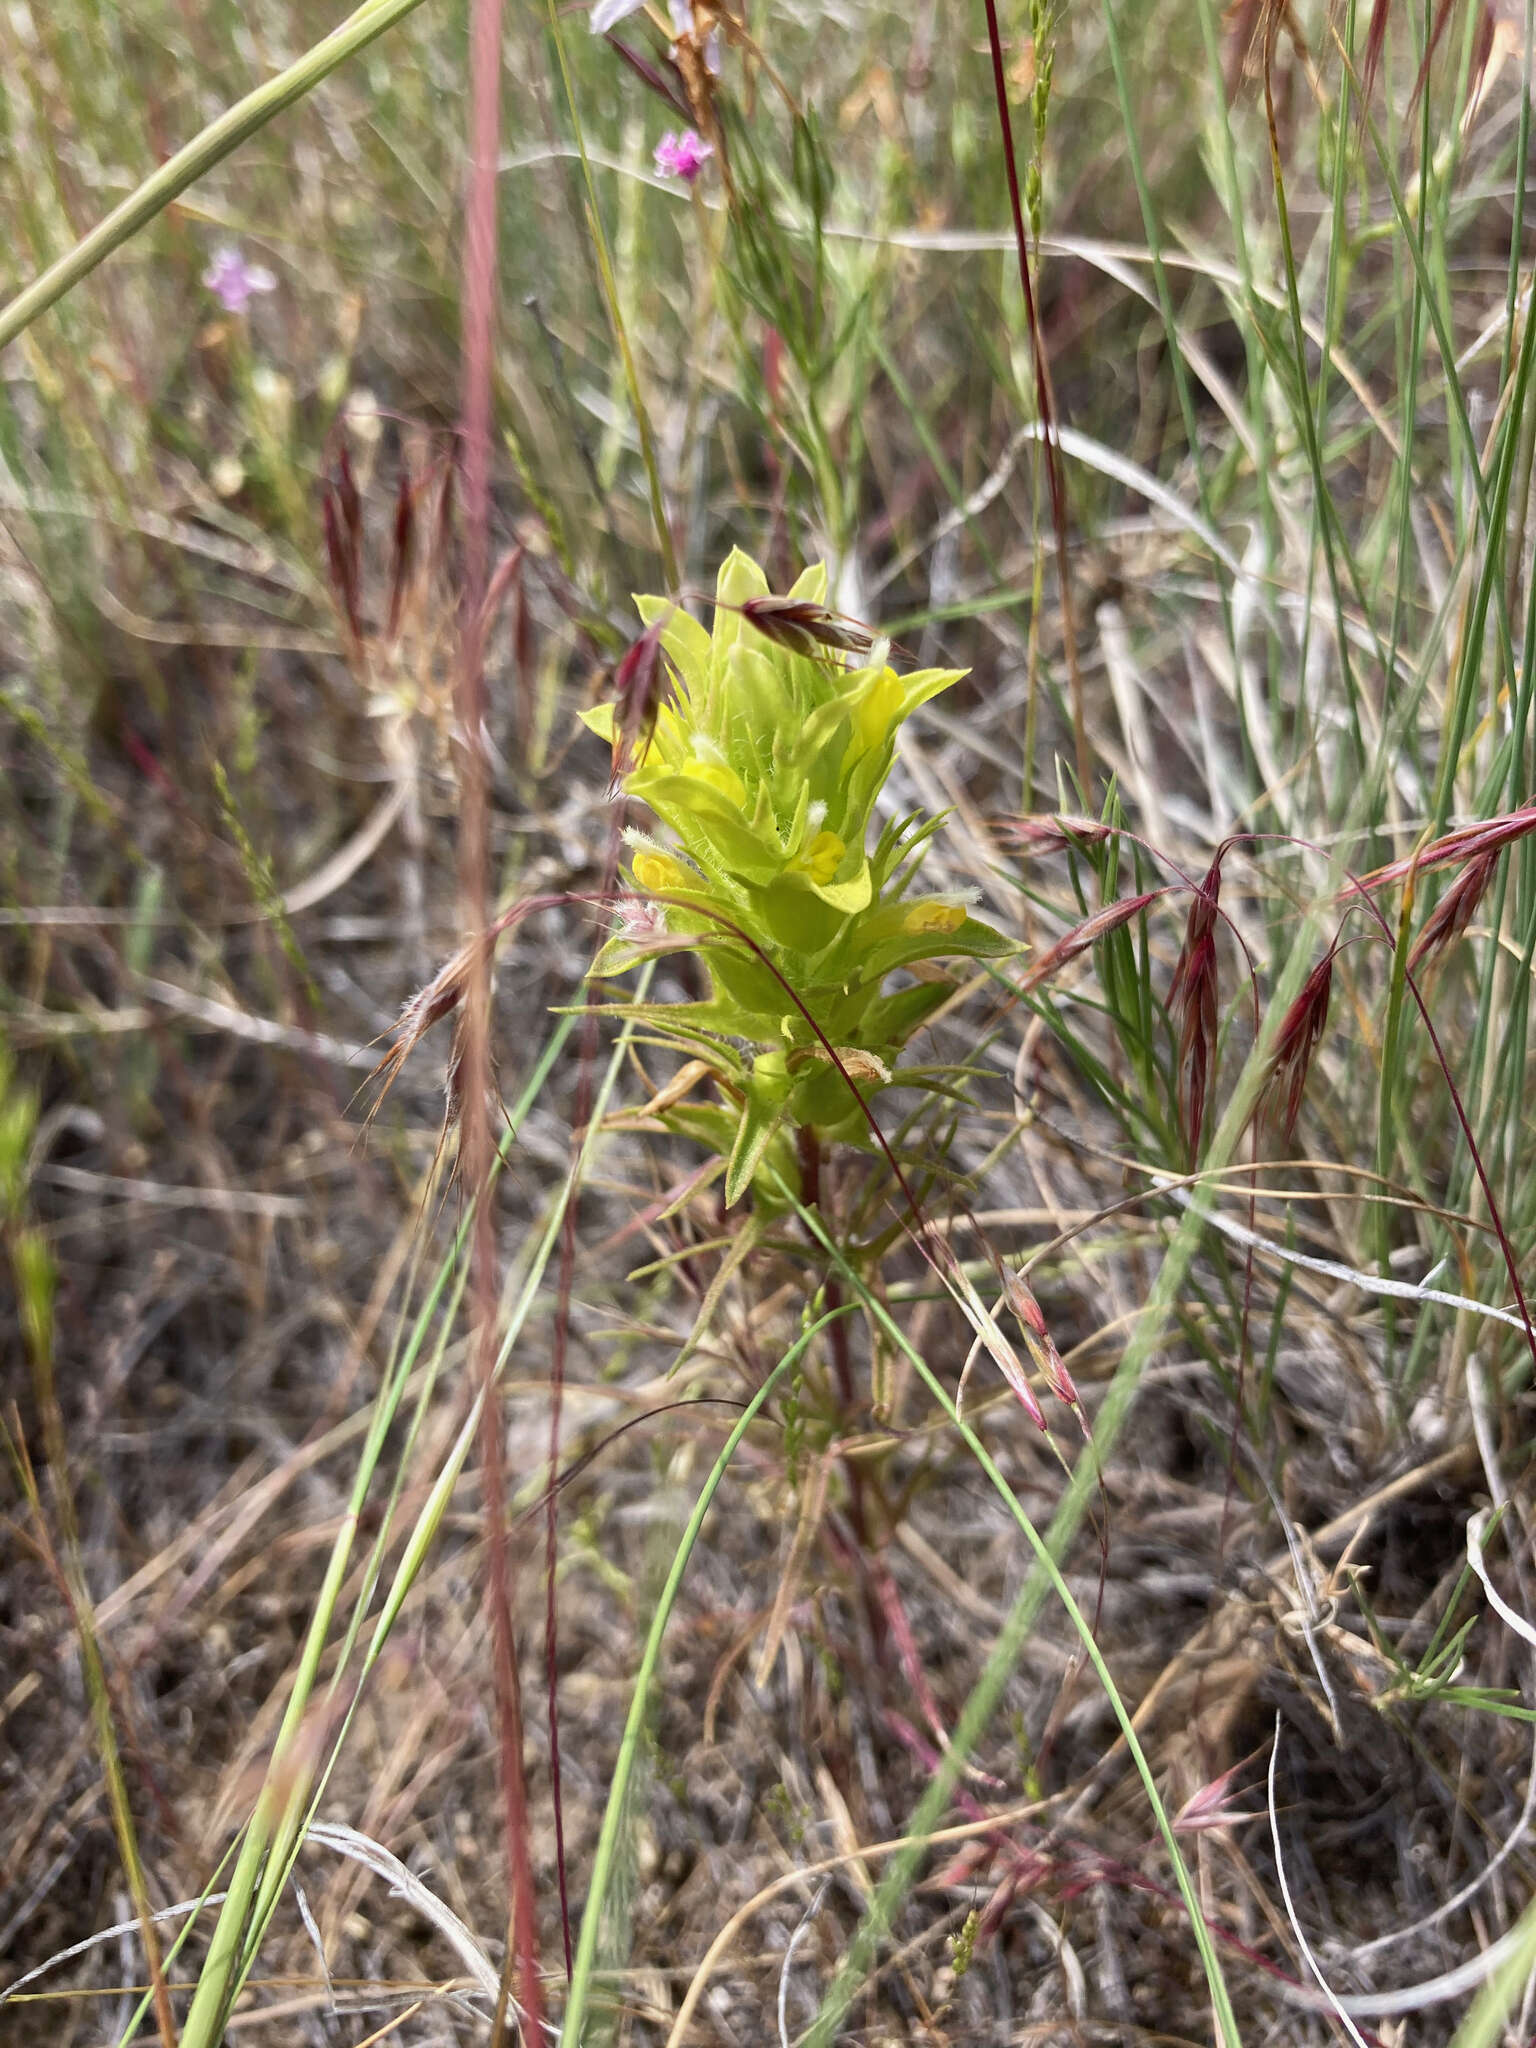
(763, 750)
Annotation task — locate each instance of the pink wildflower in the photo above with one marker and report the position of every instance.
(683, 156)
(233, 281)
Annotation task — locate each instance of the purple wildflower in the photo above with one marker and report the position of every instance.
(607, 14)
(233, 281)
(683, 156)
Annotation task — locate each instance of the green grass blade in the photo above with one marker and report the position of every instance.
(1485, 2023)
(616, 315)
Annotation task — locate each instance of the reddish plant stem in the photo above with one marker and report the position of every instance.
(478, 342)
(558, 1352)
(809, 1147)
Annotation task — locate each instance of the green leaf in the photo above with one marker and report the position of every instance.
(684, 639)
(621, 955)
(739, 578)
(762, 1111)
(796, 917)
(972, 940)
(698, 812)
(811, 583)
(757, 699)
(741, 978)
(893, 1019)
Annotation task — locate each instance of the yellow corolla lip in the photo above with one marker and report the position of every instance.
(821, 859)
(880, 710)
(934, 917)
(655, 873)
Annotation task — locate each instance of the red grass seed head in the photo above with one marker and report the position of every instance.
(1088, 933)
(1462, 843)
(1456, 908)
(400, 552)
(1054, 834)
(805, 627)
(1375, 42)
(1213, 1805)
(1192, 999)
(1296, 1043)
(348, 498)
(642, 684)
(648, 73)
(1038, 1339)
(341, 521)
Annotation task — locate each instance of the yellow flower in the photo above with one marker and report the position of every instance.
(934, 917)
(821, 859)
(659, 874)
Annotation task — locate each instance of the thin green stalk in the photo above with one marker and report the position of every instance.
(1502, 1993)
(195, 158)
(1492, 505)
(1408, 384)
(1226, 154)
(1179, 367)
(1333, 296)
(1517, 227)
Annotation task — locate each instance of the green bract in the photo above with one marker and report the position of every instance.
(766, 764)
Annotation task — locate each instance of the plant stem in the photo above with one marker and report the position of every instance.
(474, 1077)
